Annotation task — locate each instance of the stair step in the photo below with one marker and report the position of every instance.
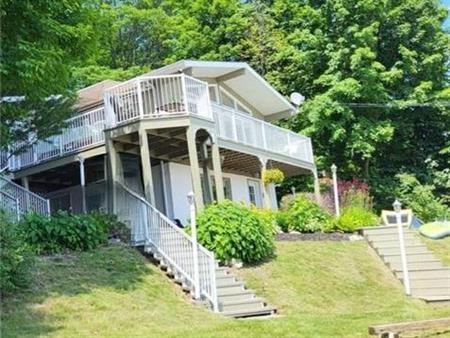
(228, 281)
(230, 292)
(430, 283)
(413, 243)
(431, 292)
(221, 272)
(426, 274)
(396, 251)
(241, 304)
(441, 298)
(251, 311)
(387, 229)
(390, 237)
(237, 297)
(417, 266)
(427, 257)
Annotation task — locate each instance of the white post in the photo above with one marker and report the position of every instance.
(397, 208)
(335, 190)
(293, 192)
(140, 102)
(191, 201)
(83, 184)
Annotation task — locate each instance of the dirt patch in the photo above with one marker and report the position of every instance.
(316, 236)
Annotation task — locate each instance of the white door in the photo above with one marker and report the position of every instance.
(254, 193)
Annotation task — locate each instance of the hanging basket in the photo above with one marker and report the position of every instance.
(274, 176)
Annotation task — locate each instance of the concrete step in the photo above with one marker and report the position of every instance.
(223, 292)
(251, 312)
(417, 266)
(223, 279)
(426, 274)
(238, 305)
(221, 272)
(426, 257)
(386, 229)
(231, 287)
(430, 283)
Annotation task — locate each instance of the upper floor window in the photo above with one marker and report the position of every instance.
(220, 95)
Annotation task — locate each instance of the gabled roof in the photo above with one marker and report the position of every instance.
(93, 95)
(240, 78)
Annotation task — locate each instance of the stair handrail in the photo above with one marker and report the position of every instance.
(207, 262)
(14, 209)
(28, 200)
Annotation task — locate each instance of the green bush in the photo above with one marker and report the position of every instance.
(65, 231)
(356, 217)
(15, 257)
(420, 198)
(282, 218)
(304, 215)
(231, 230)
(268, 216)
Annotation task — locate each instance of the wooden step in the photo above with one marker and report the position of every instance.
(390, 237)
(445, 291)
(228, 281)
(430, 283)
(426, 274)
(243, 295)
(442, 298)
(226, 278)
(396, 251)
(251, 312)
(238, 305)
(413, 243)
(417, 266)
(426, 257)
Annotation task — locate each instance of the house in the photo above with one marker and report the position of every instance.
(192, 125)
(138, 148)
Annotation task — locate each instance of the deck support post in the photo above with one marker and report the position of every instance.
(206, 177)
(146, 166)
(266, 194)
(317, 187)
(217, 168)
(83, 184)
(114, 170)
(195, 169)
(26, 184)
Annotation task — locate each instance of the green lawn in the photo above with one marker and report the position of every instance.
(322, 289)
(440, 247)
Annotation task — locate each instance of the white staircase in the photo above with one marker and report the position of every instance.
(18, 201)
(173, 249)
(429, 278)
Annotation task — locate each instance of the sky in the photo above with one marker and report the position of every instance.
(447, 3)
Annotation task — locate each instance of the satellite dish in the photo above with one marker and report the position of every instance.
(297, 99)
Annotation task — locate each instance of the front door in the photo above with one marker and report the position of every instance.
(254, 193)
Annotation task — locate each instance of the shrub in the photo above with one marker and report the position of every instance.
(304, 215)
(286, 202)
(282, 218)
(274, 176)
(65, 231)
(231, 230)
(268, 216)
(15, 257)
(357, 198)
(420, 198)
(356, 217)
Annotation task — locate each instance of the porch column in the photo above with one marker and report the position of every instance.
(206, 179)
(266, 194)
(83, 184)
(316, 187)
(26, 184)
(195, 169)
(217, 168)
(146, 166)
(114, 169)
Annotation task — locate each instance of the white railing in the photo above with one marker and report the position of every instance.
(80, 132)
(10, 206)
(242, 128)
(150, 227)
(27, 201)
(155, 97)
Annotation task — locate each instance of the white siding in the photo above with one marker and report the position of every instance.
(180, 180)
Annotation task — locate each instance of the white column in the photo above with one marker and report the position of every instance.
(335, 190)
(83, 184)
(195, 169)
(217, 168)
(266, 196)
(397, 208)
(317, 187)
(191, 200)
(146, 166)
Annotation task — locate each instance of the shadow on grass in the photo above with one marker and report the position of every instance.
(113, 267)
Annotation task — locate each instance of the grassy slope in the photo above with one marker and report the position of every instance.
(440, 247)
(321, 289)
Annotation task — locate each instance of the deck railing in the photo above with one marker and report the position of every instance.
(242, 128)
(27, 200)
(10, 205)
(152, 228)
(80, 132)
(156, 96)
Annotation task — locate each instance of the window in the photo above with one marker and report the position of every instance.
(213, 93)
(254, 193)
(226, 100)
(226, 188)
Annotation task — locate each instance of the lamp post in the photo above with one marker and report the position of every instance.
(191, 201)
(293, 192)
(335, 190)
(397, 208)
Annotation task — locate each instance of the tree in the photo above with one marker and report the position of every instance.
(40, 40)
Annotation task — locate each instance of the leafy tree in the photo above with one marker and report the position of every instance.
(40, 39)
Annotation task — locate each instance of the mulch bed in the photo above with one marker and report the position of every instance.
(317, 236)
